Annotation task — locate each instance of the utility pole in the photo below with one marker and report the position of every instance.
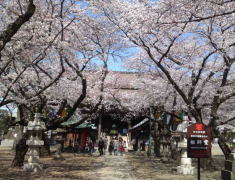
(129, 134)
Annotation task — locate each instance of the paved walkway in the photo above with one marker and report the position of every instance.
(114, 168)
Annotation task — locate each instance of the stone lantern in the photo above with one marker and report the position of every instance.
(185, 162)
(35, 129)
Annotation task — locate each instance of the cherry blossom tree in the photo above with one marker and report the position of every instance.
(189, 42)
(45, 57)
(8, 30)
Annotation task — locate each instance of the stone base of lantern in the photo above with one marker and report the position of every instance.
(186, 164)
(185, 169)
(33, 167)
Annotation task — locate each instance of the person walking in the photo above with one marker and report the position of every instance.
(91, 147)
(105, 144)
(115, 146)
(101, 146)
(111, 147)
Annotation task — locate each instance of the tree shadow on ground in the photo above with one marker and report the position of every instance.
(73, 167)
(54, 170)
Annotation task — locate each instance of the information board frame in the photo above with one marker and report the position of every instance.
(199, 141)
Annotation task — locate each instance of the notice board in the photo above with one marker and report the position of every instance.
(199, 141)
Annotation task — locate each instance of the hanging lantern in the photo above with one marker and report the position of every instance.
(114, 130)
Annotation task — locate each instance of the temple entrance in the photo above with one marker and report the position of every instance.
(110, 127)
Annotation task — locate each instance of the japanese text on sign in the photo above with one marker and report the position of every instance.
(199, 141)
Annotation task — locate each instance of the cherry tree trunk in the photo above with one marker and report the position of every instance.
(45, 150)
(224, 147)
(156, 139)
(221, 139)
(20, 151)
(155, 134)
(157, 147)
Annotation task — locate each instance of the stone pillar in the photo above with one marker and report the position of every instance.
(35, 129)
(229, 171)
(58, 155)
(185, 162)
(129, 135)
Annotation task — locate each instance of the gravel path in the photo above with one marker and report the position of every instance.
(130, 166)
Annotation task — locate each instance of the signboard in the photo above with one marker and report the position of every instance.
(199, 141)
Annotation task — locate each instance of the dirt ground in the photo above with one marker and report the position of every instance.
(130, 166)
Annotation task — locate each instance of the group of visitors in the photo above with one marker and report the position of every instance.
(116, 146)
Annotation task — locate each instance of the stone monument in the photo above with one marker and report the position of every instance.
(229, 171)
(12, 137)
(8, 140)
(35, 129)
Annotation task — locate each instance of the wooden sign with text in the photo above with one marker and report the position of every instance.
(199, 141)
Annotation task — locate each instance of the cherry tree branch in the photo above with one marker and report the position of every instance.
(12, 28)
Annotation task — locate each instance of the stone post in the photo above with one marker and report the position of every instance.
(185, 162)
(229, 171)
(35, 129)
